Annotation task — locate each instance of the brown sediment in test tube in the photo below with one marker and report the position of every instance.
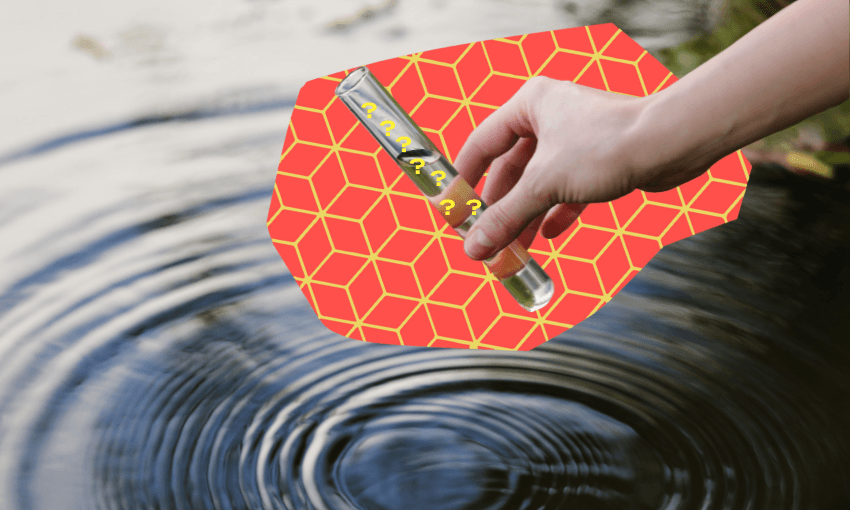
(509, 261)
(459, 192)
(504, 264)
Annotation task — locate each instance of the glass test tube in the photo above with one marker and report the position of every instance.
(438, 180)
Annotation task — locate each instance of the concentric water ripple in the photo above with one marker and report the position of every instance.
(158, 356)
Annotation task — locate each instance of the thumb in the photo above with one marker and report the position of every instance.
(502, 222)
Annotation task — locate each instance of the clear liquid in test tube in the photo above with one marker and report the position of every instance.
(440, 182)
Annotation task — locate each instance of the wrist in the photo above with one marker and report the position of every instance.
(675, 139)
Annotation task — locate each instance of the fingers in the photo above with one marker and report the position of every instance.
(527, 237)
(506, 170)
(495, 136)
(505, 220)
(559, 219)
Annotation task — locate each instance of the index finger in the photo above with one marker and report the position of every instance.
(495, 136)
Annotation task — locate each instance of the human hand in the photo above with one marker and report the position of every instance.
(554, 146)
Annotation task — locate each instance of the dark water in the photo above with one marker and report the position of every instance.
(168, 361)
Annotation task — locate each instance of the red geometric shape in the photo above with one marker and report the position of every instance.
(729, 168)
(340, 328)
(378, 211)
(339, 268)
(365, 290)
(275, 204)
(703, 222)
(333, 302)
(505, 58)
(536, 338)
(579, 276)
(717, 197)
(679, 230)
(447, 55)
(328, 181)
(339, 119)
(691, 188)
(289, 225)
(398, 278)
(624, 282)
(506, 302)
(380, 336)
(418, 330)
(434, 113)
(592, 77)
(601, 34)
(572, 309)
(290, 257)
(573, 39)
(652, 220)
(670, 80)
(457, 259)
(641, 249)
(317, 93)
(379, 224)
(314, 247)
(361, 169)
(408, 90)
(359, 140)
(347, 235)
(508, 332)
(482, 310)
(598, 215)
(447, 344)
(472, 69)
(735, 210)
(404, 246)
(390, 171)
(652, 72)
(670, 197)
(302, 159)
(440, 80)
(613, 265)
(390, 312)
(456, 289)
(353, 202)
(386, 71)
(624, 47)
(537, 48)
(430, 267)
(299, 194)
(456, 134)
(622, 78)
(565, 66)
(451, 323)
(412, 212)
(497, 90)
(625, 207)
(586, 243)
(311, 127)
(479, 113)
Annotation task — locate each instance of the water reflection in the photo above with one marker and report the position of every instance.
(158, 355)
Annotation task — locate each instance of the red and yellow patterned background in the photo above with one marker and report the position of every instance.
(378, 263)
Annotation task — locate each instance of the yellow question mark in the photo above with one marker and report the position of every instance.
(448, 206)
(475, 205)
(418, 163)
(403, 144)
(390, 127)
(440, 178)
(369, 110)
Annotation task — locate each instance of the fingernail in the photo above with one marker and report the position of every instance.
(477, 245)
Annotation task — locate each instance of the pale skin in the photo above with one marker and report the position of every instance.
(556, 144)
